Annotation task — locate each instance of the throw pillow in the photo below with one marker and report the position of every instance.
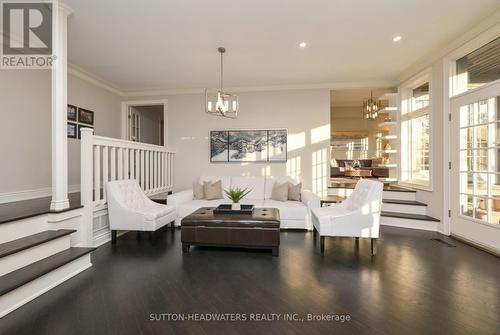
(294, 191)
(198, 193)
(280, 192)
(213, 191)
(334, 163)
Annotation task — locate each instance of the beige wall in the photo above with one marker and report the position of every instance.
(306, 114)
(106, 106)
(25, 129)
(25, 140)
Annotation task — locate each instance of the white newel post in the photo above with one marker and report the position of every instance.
(87, 182)
(59, 109)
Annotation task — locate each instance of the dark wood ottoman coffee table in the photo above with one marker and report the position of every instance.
(259, 230)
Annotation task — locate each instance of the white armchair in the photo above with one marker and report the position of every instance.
(358, 216)
(130, 209)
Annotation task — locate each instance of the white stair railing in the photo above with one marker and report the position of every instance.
(105, 159)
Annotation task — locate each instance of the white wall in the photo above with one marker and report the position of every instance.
(25, 128)
(306, 114)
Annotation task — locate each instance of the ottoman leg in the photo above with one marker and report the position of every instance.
(185, 247)
(276, 251)
(322, 244)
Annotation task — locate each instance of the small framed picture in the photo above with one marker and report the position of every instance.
(85, 116)
(72, 111)
(80, 126)
(72, 130)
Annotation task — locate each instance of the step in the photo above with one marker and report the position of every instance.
(25, 284)
(407, 195)
(404, 220)
(404, 206)
(26, 250)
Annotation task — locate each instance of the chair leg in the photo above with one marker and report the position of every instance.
(113, 236)
(152, 236)
(139, 235)
(374, 246)
(322, 244)
(357, 241)
(314, 235)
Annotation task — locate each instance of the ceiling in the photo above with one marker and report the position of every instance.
(354, 97)
(153, 44)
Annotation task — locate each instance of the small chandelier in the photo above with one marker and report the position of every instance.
(371, 108)
(218, 102)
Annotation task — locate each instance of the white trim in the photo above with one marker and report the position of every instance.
(417, 80)
(330, 86)
(93, 79)
(32, 194)
(487, 248)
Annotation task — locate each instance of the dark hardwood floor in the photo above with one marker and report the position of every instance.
(415, 285)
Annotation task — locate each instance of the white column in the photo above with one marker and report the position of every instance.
(59, 107)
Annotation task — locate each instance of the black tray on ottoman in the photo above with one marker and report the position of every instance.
(227, 210)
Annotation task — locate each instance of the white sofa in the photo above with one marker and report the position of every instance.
(293, 214)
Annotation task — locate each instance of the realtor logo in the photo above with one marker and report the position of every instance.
(27, 35)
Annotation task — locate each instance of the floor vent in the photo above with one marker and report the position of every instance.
(449, 245)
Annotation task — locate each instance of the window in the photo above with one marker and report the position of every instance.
(415, 133)
(480, 160)
(477, 68)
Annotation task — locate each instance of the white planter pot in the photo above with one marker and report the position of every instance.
(235, 207)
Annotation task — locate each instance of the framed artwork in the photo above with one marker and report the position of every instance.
(219, 146)
(80, 126)
(72, 130)
(72, 113)
(248, 146)
(85, 116)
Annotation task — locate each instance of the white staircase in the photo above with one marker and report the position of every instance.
(34, 259)
(399, 208)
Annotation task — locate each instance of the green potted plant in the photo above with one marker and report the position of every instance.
(236, 194)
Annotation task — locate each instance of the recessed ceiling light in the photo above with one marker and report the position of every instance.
(396, 39)
(302, 44)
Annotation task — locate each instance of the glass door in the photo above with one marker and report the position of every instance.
(475, 161)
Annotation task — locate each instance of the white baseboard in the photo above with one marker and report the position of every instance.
(32, 194)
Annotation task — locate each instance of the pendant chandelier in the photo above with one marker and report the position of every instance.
(218, 102)
(371, 108)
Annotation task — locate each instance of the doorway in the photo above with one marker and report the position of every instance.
(145, 122)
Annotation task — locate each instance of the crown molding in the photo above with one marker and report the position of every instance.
(329, 86)
(469, 34)
(93, 79)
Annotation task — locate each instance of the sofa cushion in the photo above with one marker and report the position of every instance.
(280, 191)
(270, 183)
(226, 181)
(294, 191)
(289, 210)
(256, 184)
(212, 191)
(198, 192)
